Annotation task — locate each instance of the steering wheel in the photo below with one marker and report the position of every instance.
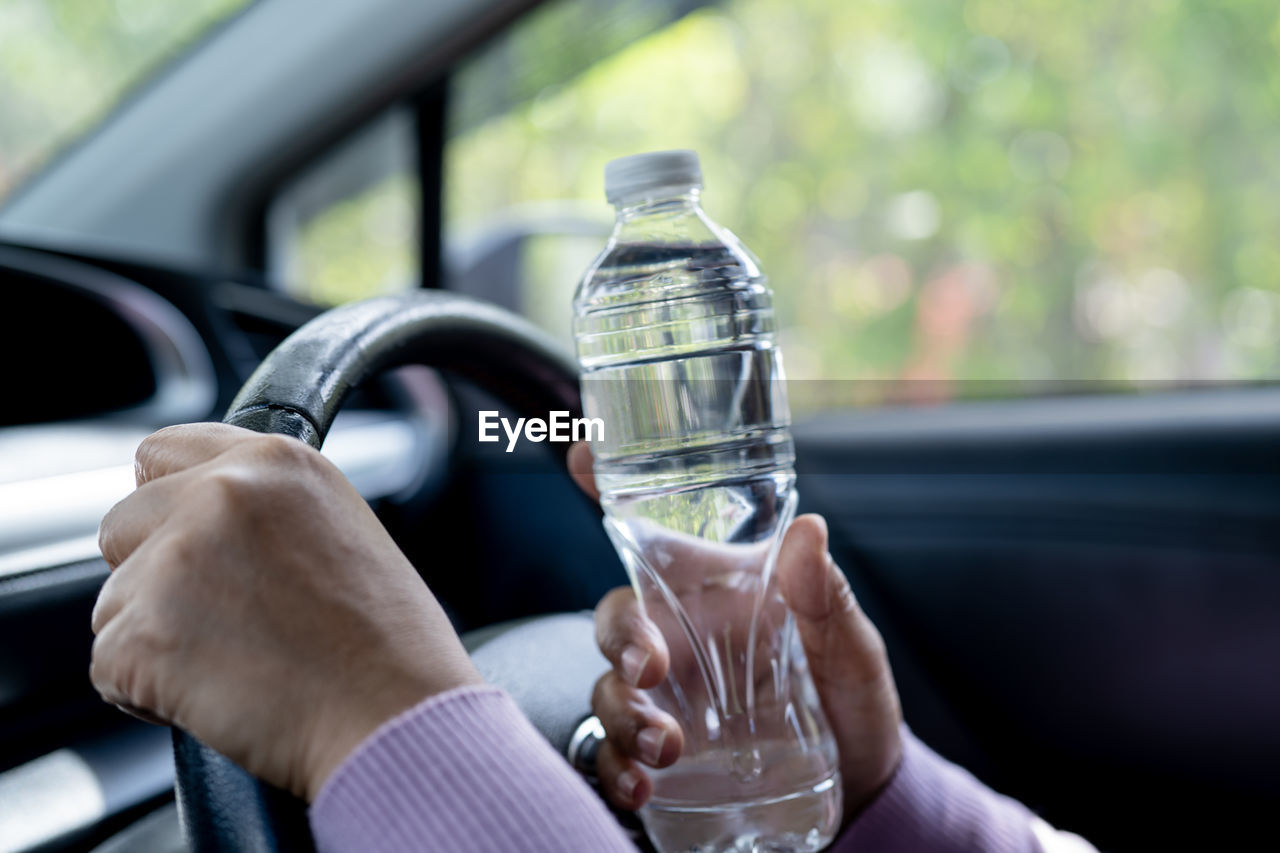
(297, 391)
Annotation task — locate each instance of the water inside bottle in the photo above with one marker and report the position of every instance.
(698, 811)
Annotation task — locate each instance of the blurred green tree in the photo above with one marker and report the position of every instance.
(984, 190)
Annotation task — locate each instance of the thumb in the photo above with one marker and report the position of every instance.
(846, 654)
(846, 657)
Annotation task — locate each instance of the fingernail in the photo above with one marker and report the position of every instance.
(627, 782)
(634, 659)
(649, 742)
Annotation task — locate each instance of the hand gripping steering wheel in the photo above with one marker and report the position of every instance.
(297, 391)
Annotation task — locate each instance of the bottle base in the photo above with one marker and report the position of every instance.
(802, 822)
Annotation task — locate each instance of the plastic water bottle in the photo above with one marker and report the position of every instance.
(675, 334)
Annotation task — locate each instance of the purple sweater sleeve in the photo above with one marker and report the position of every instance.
(932, 806)
(466, 771)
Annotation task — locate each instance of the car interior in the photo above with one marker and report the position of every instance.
(1072, 571)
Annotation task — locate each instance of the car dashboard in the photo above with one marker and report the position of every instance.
(100, 356)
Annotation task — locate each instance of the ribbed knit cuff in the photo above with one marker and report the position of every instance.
(932, 806)
(463, 771)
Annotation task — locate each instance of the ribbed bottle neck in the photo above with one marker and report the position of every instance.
(675, 204)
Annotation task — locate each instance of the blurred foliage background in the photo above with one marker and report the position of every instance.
(946, 189)
(65, 63)
(989, 189)
(362, 246)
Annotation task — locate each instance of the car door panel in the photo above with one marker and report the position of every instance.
(1080, 596)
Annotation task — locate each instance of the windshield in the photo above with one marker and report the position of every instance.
(65, 64)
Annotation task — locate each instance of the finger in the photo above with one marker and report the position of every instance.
(631, 642)
(184, 446)
(625, 784)
(841, 644)
(107, 668)
(581, 468)
(132, 520)
(635, 725)
(112, 598)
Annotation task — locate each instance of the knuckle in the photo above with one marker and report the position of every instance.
(136, 688)
(181, 547)
(636, 627)
(99, 665)
(608, 639)
(172, 576)
(145, 694)
(232, 487)
(599, 693)
(116, 672)
(110, 532)
(290, 466)
(106, 539)
(145, 454)
(285, 451)
(148, 458)
(618, 621)
(98, 619)
(146, 651)
(619, 713)
(635, 716)
(846, 602)
(154, 635)
(258, 473)
(113, 527)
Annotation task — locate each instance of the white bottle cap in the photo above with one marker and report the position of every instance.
(631, 179)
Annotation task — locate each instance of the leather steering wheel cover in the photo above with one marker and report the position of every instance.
(223, 808)
(299, 387)
(297, 390)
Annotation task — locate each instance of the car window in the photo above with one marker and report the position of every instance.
(347, 226)
(990, 194)
(64, 64)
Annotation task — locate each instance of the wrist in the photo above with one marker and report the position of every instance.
(867, 780)
(337, 736)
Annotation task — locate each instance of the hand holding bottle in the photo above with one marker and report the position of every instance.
(845, 653)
